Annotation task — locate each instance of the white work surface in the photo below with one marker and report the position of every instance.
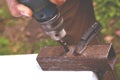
(25, 67)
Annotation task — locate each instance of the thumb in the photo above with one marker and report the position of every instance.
(24, 10)
(58, 2)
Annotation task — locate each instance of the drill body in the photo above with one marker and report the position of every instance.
(49, 17)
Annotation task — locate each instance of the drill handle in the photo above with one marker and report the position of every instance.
(43, 10)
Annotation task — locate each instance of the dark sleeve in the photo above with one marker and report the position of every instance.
(78, 16)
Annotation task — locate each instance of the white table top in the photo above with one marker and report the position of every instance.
(25, 67)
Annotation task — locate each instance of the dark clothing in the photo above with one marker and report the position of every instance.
(78, 16)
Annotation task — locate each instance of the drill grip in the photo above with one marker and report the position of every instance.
(43, 10)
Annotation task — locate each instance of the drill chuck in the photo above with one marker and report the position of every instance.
(54, 27)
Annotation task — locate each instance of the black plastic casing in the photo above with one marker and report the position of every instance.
(43, 10)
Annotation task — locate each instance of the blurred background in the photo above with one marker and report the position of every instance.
(18, 36)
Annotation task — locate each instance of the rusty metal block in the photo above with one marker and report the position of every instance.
(97, 58)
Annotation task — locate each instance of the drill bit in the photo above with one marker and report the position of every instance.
(64, 44)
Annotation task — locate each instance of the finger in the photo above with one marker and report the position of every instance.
(12, 7)
(58, 2)
(25, 11)
(15, 12)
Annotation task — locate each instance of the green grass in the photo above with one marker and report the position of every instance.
(117, 67)
(8, 48)
(4, 46)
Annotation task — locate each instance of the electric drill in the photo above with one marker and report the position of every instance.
(49, 17)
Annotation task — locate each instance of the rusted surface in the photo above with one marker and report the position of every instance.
(95, 57)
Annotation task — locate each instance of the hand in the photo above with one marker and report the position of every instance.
(18, 10)
(58, 2)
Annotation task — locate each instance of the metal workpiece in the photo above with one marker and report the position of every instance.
(53, 58)
(97, 58)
